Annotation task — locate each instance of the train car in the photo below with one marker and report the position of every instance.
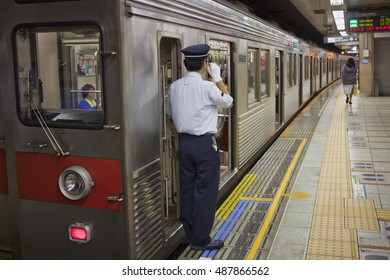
(102, 183)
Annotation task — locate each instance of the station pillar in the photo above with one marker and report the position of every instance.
(366, 65)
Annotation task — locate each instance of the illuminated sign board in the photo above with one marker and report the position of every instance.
(341, 39)
(371, 24)
(368, 21)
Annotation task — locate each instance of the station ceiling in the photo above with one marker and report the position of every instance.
(308, 19)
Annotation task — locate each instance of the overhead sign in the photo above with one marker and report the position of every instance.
(371, 24)
(368, 21)
(340, 39)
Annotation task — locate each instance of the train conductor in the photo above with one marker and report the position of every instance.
(192, 103)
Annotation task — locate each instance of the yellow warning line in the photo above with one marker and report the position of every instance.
(275, 202)
(230, 203)
(257, 199)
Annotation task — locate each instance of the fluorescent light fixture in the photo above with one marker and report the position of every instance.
(336, 2)
(339, 19)
(338, 14)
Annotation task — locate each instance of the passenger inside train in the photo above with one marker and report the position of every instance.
(89, 101)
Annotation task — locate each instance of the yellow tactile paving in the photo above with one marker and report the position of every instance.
(360, 214)
(383, 215)
(337, 215)
(361, 223)
(327, 257)
(327, 222)
(339, 233)
(333, 249)
(326, 209)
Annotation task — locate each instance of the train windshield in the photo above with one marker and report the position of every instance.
(59, 76)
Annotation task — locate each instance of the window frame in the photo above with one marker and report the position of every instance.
(257, 92)
(58, 28)
(292, 69)
(268, 72)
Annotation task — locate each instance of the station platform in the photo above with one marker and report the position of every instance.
(321, 192)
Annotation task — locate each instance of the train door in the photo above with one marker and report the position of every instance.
(170, 70)
(220, 53)
(278, 88)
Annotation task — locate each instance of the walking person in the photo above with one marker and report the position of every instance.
(348, 77)
(192, 103)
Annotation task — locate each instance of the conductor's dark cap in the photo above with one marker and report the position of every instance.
(196, 51)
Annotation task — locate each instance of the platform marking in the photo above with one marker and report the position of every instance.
(229, 224)
(227, 227)
(230, 203)
(297, 195)
(264, 199)
(275, 202)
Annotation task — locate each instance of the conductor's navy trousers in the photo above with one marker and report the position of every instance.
(199, 183)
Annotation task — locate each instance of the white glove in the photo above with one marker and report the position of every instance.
(215, 72)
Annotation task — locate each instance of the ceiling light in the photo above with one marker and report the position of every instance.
(336, 2)
(339, 19)
(338, 14)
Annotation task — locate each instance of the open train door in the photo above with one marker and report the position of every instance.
(221, 54)
(170, 70)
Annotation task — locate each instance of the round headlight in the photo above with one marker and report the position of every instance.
(75, 182)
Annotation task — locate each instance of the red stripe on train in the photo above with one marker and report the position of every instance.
(38, 179)
(3, 173)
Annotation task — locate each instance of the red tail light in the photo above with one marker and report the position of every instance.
(80, 233)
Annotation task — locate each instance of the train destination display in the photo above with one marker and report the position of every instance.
(369, 24)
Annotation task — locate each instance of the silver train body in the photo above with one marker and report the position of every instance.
(103, 183)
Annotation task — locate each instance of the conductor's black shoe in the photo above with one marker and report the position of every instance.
(214, 244)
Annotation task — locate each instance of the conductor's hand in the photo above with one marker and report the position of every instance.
(215, 72)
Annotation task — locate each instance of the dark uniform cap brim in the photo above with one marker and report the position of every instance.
(200, 50)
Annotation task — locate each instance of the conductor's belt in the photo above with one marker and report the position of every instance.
(187, 135)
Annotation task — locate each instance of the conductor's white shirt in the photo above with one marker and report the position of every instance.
(192, 104)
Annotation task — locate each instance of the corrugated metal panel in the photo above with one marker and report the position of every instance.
(148, 220)
(253, 132)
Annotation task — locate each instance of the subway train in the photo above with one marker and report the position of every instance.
(103, 183)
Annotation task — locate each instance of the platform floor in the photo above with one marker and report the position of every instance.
(322, 191)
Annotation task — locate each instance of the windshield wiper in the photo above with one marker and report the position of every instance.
(53, 141)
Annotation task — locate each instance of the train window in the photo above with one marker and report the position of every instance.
(288, 69)
(307, 67)
(253, 74)
(59, 76)
(264, 73)
(292, 80)
(323, 60)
